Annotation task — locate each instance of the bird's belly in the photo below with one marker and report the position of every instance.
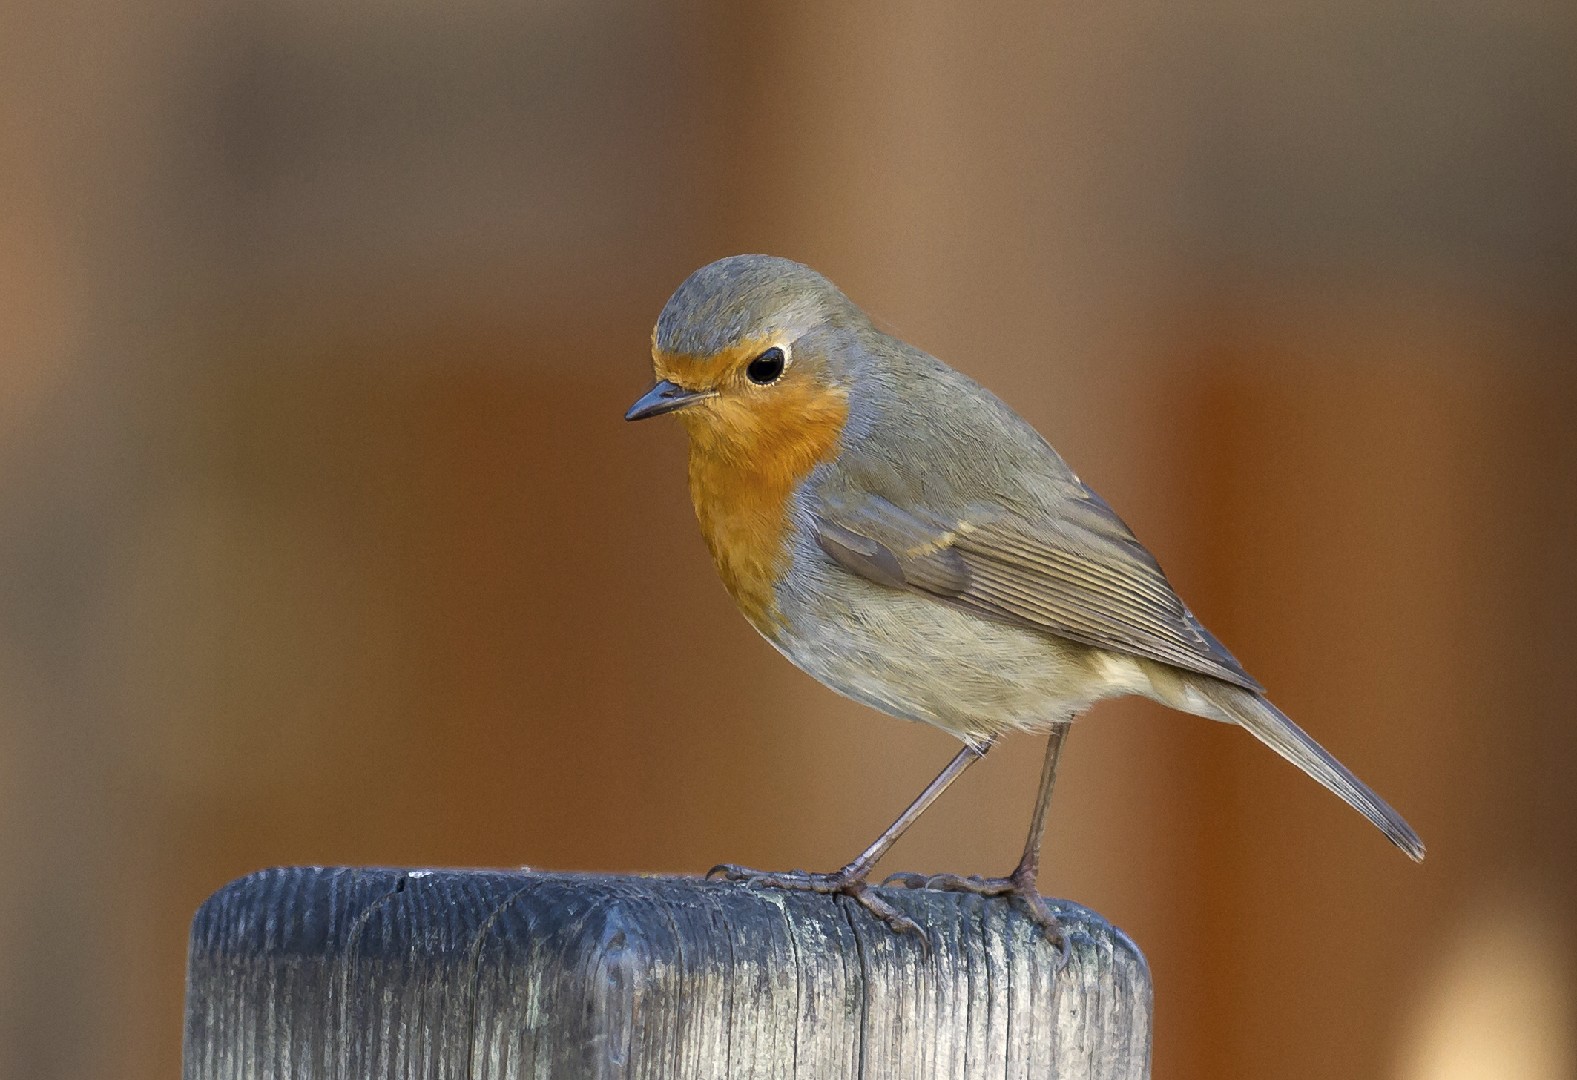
(920, 658)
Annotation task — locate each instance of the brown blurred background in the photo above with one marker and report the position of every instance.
(322, 539)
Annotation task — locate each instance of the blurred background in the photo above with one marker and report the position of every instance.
(322, 539)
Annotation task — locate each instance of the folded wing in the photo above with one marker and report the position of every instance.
(1082, 576)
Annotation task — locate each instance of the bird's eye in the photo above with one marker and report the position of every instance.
(767, 368)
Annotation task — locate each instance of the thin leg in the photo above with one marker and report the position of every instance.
(1022, 883)
(851, 878)
(861, 866)
(1029, 865)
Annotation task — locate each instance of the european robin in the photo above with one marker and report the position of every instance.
(902, 536)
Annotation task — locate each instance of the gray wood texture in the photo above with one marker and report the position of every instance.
(369, 974)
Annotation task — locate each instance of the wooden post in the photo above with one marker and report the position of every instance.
(355, 974)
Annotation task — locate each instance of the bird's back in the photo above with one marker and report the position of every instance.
(930, 436)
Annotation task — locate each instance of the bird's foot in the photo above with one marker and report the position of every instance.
(845, 882)
(1021, 883)
(793, 880)
(974, 883)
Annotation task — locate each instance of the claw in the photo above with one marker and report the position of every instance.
(1020, 884)
(840, 882)
(1050, 925)
(974, 883)
(790, 880)
(895, 919)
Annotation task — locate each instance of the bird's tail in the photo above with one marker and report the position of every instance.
(1271, 727)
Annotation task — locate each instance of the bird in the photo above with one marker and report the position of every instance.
(901, 535)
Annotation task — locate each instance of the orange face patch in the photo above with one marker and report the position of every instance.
(750, 449)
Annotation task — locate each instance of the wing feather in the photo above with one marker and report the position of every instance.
(1083, 577)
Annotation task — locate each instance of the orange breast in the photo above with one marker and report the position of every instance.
(747, 458)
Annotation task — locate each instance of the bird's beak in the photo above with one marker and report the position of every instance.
(665, 397)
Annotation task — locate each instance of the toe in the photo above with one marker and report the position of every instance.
(884, 911)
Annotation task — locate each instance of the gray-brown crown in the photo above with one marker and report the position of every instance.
(744, 296)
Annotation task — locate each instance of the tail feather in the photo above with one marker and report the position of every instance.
(1270, 726)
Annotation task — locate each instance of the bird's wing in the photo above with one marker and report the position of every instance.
(1082, 576)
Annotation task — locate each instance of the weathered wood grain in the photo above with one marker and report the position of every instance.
(371, 974)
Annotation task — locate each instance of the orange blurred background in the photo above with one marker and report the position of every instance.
(322, 539)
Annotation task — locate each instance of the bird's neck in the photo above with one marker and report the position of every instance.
(744, 472)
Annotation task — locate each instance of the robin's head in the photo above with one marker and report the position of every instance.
(746, 352)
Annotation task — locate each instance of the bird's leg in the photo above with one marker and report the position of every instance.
(850, 880)
(1028, 869)
(1023, 881)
